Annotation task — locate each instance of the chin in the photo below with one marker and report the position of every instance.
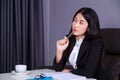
(75, 34)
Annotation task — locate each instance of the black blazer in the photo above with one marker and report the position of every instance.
(88, 60)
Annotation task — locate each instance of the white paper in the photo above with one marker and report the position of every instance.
(64, 76)
(20, 77)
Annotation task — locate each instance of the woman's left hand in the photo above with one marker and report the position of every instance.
(66, 70)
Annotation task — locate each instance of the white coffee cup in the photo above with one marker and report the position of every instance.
(20, 68)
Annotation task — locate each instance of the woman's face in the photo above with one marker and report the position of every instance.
(79, 25)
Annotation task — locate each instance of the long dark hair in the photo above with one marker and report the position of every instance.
(93, 21)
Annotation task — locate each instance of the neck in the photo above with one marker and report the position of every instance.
(79, 37)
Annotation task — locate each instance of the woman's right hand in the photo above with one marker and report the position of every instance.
(62, 44)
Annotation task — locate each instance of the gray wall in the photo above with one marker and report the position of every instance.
(58, 16)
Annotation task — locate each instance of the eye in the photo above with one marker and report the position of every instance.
(81, 22)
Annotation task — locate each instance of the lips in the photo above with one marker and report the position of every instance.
(74, 30)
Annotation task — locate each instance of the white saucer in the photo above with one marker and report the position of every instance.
(14, 72)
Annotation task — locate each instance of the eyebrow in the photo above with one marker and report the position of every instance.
(82, 20)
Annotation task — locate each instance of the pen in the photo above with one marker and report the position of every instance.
(69, 35)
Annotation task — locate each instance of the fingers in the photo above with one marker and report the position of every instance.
(62, 44)
(63, 41)
(65, 38)
(66, 70)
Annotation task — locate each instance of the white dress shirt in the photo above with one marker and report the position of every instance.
(74, 53)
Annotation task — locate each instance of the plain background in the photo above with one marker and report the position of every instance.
(58, 15)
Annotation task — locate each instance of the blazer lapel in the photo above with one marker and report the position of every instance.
(83, 48)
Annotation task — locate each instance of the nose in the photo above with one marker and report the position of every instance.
(76, 24)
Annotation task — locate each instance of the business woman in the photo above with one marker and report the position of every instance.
(83, 49)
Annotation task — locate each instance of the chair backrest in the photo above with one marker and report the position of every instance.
(111, 57)
(111, 39)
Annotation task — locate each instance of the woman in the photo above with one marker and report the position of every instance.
(84, 48)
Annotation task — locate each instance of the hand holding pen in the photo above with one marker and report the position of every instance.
(63, 43)
(61, 47)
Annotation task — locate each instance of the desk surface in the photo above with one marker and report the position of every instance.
(33, 73)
